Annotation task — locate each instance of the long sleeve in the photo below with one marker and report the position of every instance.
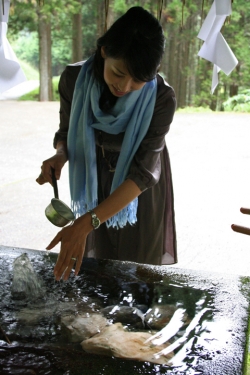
(145, 168)
(66, 90)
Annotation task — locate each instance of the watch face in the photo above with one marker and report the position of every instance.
(95, 222)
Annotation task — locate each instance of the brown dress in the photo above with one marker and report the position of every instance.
(152, 240)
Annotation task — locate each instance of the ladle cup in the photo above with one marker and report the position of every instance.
(57, 212)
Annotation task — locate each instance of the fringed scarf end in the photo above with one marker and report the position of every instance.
(80, 208)
(124, 217)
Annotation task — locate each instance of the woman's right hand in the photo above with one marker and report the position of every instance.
(57, 162)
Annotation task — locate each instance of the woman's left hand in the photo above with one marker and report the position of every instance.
(73, 241)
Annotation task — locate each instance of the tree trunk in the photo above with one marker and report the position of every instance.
(193, 66)
(100, 17)
(45, 71)
(172, 77)
(233, 90)
(184, 71)
(110, 18)
(77, 50)
(214, 100)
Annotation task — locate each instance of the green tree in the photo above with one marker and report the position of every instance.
(181, 20)
(236, 32)
(44, 18)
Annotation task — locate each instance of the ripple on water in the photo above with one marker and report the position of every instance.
(42, 343)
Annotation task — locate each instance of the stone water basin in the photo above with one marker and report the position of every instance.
(43, 335)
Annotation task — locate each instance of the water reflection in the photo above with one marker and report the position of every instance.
(46, 331)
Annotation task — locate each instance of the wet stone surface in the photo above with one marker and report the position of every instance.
(34, 340)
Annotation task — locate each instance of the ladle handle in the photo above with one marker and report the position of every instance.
(54, 182)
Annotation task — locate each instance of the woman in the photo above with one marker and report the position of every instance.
(115, 111)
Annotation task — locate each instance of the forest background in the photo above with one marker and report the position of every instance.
(51, 34)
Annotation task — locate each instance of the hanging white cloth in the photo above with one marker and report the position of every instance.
(215, 48)
(11, 73)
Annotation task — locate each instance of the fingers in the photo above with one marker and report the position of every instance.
(68, 270)
(60, 266)
(56, 162)
(43, 178)
(79, 260)
(40, 179)
(55, 241)
(69, 257)
(65, 263)
(45, 175)
(65, 273)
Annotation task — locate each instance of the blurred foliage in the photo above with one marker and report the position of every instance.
(26, 47)
(192, 109)
(189, 75)
(34, 94)
(30, 72)
(23, 30)
(238, 103)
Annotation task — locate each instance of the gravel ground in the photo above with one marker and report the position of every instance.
(210, 158)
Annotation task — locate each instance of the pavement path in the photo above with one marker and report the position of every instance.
(210, 157)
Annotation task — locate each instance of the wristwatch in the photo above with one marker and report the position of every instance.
(95, 221)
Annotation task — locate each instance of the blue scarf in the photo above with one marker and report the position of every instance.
(131, 114)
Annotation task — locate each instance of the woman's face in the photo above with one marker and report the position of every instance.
(118, 78)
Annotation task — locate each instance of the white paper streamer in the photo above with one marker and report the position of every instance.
(215, 48)
(11, 73)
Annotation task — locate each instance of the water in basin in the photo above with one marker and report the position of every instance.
(35, 320)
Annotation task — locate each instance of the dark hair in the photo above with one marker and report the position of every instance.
(138, 39)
